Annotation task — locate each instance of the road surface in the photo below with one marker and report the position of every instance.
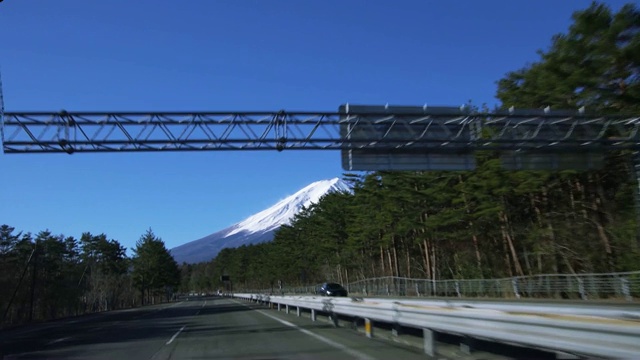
(212, 328)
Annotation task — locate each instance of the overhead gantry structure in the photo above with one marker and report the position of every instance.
(369, 137)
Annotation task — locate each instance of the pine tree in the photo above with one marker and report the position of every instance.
(596, 65)
(155, 272)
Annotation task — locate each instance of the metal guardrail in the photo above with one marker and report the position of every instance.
(623, 285)
(545, 328)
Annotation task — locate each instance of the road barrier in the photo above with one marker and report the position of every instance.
(547, 327)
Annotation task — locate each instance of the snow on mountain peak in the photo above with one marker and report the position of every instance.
(282, 212)
(257, 228)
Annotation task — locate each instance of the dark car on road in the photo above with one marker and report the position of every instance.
(331, 289)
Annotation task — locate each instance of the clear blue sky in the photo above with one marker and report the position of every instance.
(232, 55)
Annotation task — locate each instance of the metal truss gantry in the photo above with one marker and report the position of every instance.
(423, 129)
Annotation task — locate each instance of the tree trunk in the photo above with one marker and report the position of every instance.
(339, 268)
(396, 265)
(598, 208)
(606, 242)
(372, 259)
(505, 250)
(505, 233)
(434, 265)
(474, 237)
(551, 236)
(427, 260)
(527, 264)
(408, 262)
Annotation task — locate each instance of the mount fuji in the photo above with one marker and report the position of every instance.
(259, 227)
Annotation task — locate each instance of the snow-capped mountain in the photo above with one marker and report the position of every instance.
(256, 228)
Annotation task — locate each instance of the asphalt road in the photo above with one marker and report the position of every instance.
(212, 328)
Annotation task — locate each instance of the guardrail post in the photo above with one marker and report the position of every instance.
(298, 311)
(287, 308)
(417, 289)
(313, 315)
(429, 342)
(625, 289)
(334, 319)
(278, 306)
(458, 289)
(467, 345)
(395, 330)
(368, 327)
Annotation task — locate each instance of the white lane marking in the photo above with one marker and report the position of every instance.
(198, 312)
(205, 303)
(58, 340)
(175, 335)
(354, 353)
(156, 311)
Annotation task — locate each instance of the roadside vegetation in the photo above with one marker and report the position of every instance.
(486, 223)
(47, 276)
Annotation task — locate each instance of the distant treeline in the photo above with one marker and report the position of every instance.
(489, 223)
(49, 276)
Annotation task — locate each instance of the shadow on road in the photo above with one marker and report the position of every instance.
(113, 327)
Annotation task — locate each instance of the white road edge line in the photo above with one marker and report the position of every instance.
(354, 353)
(175, 335)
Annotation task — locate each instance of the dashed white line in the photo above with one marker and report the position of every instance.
(58, 340)
(175, 335)
(176, 304)
(205, 303)
(198, 312)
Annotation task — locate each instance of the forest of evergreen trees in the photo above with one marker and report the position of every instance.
(485, 223)
(50, 276)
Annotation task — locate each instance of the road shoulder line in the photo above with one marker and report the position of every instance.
(354, 353)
